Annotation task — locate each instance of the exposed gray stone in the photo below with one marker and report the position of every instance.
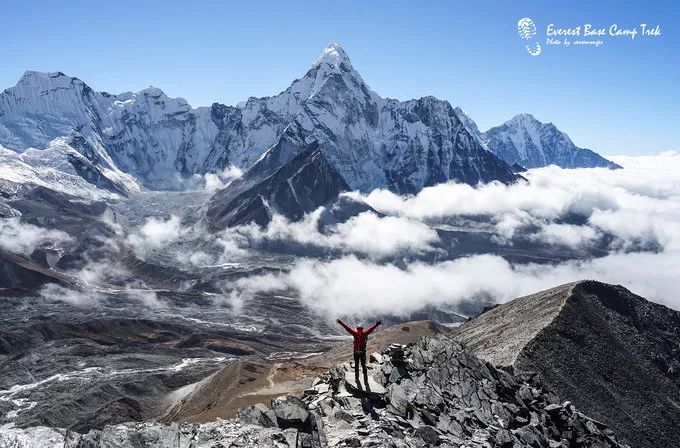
(451, 399)
(291, 412)
(256, 415)
(428, 434)
(373, 386)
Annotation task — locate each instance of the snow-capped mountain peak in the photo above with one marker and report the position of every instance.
(36, 77)
(371, 141)
(470, 125)
(335, 56)
(152, 91)
(524, 118)
(526, 141)
(334, 65)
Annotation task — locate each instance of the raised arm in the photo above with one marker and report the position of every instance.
(370, 330)
(347, 327)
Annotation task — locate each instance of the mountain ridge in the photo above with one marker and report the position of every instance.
(431, 393)
(530, 143)
(374, 142)
(294, 189)
(601, 346)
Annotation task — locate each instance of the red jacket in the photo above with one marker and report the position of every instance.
(359, 335)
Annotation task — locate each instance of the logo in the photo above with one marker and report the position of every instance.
(527, 32)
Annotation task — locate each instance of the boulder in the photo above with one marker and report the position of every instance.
(291, 412)
(373, 388)
(428, 434)
(376, 358)
(256, 415)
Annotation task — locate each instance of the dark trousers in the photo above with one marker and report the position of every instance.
(360, 357)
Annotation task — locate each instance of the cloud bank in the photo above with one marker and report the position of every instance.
(638, 206)
(352, 287)
(625, 225)
(365, 234)
(23, 238)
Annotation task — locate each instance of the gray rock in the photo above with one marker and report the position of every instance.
(376, 358)
(552, 408)
(291, 412)
(565, 336)
(373, 386)
(428, 434)
(530, 436)
(450, 398)
(504, 439)
(256, 415)
(398, 400)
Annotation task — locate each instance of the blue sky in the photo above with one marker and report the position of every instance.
(623, 97)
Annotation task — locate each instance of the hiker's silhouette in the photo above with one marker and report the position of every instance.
(360, 337)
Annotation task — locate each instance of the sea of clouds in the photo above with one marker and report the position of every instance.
(637, 207)
(377, 263)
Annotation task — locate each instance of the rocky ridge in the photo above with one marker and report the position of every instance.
(433, 393)
(298, 187)
(600, 345)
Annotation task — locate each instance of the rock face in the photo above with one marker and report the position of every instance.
(60, 167)
(437, 394)
(18, 272)
(152, 435)
(66, 226)
(372, 141)
(526, 141)
(257, 415)
(612, 353)
(298, 187)
(291, 412)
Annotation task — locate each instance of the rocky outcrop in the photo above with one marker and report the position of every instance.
(94, 174)
(434, 393)
(18, 272)
(298, 187)
(612, 353)
(438, 394)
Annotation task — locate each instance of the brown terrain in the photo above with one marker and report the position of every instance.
(244, 383)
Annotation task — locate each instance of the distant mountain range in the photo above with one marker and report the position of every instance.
(526, 141)
(113, 141)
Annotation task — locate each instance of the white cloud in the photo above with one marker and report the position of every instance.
(639, 204)
(52, 291)
(566, 235)
(352, 287)
(94, 272)
(365, 234)
(147, 297)
(22, 238)
(217, 181)
(377, 236)
(156, 233)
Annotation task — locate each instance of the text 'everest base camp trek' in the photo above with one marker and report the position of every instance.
(107, 340)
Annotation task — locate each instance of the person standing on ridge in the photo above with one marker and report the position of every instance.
(360, 337)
